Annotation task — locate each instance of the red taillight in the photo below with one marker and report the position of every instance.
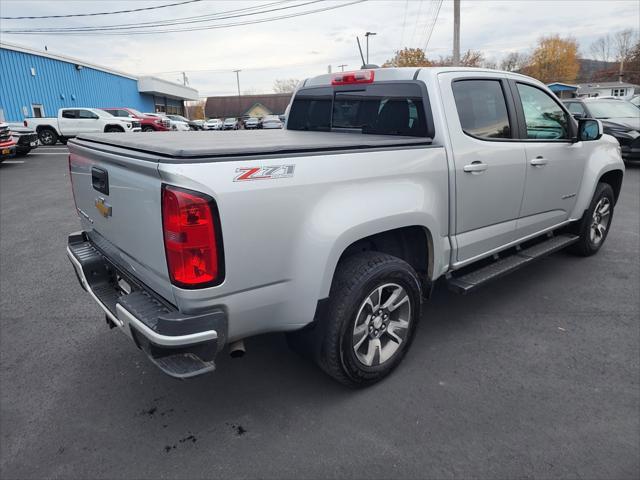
(348, 78)
(190, 224)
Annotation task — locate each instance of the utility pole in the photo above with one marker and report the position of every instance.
(342, 66)
(369, 34)
(237, 72)
(185, 80)
(456, 32)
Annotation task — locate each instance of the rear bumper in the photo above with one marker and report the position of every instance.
(181, 345)
(7, 150)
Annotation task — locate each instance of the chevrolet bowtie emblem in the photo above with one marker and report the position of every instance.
(103, 207)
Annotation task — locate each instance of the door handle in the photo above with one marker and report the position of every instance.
(475, 167)
(539, 161)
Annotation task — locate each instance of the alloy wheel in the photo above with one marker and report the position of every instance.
(382, 324)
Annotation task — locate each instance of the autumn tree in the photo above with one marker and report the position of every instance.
(632, 65)
(555, 59)
(285, 85)
(408, 57)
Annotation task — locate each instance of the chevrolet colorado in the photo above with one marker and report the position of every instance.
(335, 229)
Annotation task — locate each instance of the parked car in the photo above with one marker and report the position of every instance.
(26, 139)
(337, 228)
(230, 124)
(178, 125)
(635, 100)
(74, 121)
(7, 144)
(270, 122)
(148, 123)
(199, 123)
(251, 123)
(620, 119)
(193, 125)
(213, 124)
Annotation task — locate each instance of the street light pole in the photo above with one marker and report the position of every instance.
(237, 72)
(368, 34)
(456, 32)
(342, 66)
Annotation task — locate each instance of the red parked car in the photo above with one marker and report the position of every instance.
(7, 144)
(148, 123)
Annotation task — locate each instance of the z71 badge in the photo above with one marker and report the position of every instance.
(264, 173)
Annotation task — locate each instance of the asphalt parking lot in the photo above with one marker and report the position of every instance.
(536, 375)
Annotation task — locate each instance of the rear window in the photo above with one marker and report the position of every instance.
(383, 109)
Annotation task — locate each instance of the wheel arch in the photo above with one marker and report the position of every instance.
(614, 179)
(113, 125)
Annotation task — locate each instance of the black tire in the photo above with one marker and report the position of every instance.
(113, 130)
(148, 129)
(331, 342)
(47, 136)
(586, 245)
(63, 140)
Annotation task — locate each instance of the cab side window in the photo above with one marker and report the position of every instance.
(482, 108)
(86, 115)
(69, 114)
(544, 118)
(576, 109)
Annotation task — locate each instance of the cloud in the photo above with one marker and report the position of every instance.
(305, 46)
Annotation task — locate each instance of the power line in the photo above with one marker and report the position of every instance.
(102, 13)
(404, 24)
(417, 21)
(171, 22)
(66, 32)
(433, 24)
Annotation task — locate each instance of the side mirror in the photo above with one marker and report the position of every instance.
(589, 129)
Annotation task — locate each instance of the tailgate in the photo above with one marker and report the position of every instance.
(118, 200)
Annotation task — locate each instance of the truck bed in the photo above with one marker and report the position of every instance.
(173, 147)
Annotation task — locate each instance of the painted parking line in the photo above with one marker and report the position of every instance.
(13, 161)
(47, 153)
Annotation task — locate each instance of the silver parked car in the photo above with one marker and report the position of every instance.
(270, 122)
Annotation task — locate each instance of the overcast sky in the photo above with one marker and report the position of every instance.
(305, 46)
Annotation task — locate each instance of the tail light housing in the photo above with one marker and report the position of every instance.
(192, 238)
(350, 78)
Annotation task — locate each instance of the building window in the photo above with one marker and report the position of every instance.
(37, 110)
(619, 92)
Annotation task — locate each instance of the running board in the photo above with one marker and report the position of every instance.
(476, 278)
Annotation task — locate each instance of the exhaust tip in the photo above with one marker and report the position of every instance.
(236, 349)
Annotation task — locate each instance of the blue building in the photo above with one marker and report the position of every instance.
(36, 83)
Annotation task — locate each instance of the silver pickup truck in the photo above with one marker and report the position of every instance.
(336, 228)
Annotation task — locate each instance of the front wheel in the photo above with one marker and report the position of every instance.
(113, 130)
(148, 129)
(370, 320)
(47, 136)
(594, 227)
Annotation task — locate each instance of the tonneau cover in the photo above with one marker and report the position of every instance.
(208, 144)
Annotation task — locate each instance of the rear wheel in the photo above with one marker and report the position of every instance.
(594, 227)
(148, 129)
(47, 136)
(113, 130)
(370, 320)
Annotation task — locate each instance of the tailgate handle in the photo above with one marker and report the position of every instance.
(100, 180)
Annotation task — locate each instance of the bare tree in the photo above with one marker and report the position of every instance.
(601, 49)
(513, 62)
(285, 85)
